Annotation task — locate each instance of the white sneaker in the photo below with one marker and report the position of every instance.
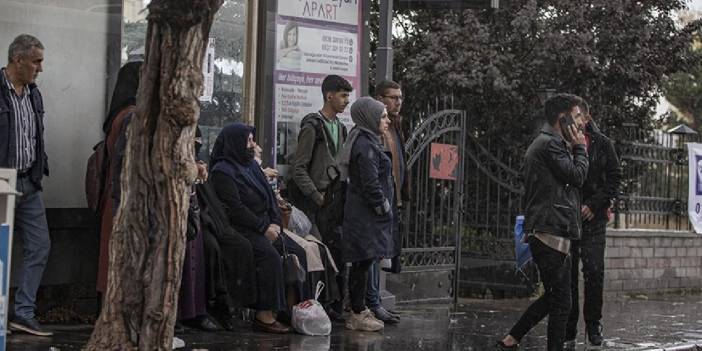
(178, 343)
(364, 321)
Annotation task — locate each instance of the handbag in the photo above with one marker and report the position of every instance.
(292, 269)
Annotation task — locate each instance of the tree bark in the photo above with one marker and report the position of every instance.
(148, 241)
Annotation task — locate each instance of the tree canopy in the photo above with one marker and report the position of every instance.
(495, 63)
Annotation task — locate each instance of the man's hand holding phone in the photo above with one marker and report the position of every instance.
(576, 135)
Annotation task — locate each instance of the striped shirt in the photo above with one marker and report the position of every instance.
(25, 126)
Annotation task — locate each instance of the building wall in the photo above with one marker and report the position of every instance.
(648, 261)
(77, 37)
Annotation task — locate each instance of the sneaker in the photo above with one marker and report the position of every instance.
(594, 334)
(385, 316)
(177, 343)
(500, 346)
(28, 325)
(364, 321)
(569, 345)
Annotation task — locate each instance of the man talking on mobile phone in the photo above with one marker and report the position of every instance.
(555, 168)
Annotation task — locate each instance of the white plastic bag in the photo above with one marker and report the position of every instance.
(309, 317)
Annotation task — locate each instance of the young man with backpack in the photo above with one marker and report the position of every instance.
(315, 186)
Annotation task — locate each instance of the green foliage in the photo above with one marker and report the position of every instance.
(684, 91)
(615, 54)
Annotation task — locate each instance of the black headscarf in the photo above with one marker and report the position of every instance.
(231, 156)
(125, 92)
(230, 145)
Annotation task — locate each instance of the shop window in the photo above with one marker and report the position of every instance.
(225, 104)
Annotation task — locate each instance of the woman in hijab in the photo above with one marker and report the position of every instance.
(368, 222)
(122, 105)
(251, 207)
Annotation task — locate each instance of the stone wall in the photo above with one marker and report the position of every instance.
(652, 261)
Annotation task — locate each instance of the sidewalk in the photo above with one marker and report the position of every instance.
(657, 323)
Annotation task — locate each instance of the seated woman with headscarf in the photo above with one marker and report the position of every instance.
(368, 217)
(251, 207)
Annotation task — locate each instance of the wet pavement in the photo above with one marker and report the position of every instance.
(654, 323)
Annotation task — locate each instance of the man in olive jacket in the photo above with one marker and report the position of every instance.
(554, 171)
(315, 169)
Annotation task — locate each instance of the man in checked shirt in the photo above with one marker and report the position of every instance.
(22, 148)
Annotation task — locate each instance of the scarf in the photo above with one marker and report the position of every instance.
(365, 114)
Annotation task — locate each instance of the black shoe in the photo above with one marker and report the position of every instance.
(28, 325)
(569, 345)
(204, 323)
(499, 346)
(594, 333)
(229, 322)
(335, 316)
(384, 316)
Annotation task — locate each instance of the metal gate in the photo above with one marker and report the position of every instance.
(431, 221)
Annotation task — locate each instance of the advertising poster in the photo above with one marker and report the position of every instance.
(694, 202)
(314, 38)
(208, 72)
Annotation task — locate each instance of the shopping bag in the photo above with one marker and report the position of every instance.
(522, 252)
(309, 317)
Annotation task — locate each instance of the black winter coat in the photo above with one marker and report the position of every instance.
(603, 176)
(249, 211)
(552, 181)
(368, 221)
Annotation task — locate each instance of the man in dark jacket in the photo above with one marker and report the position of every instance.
(22, 148)
(315, 171)
(600, 188)
(553, 174)
(390, 94)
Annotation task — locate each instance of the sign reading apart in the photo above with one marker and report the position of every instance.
(444, 161)
(314, 38)
(694, 199)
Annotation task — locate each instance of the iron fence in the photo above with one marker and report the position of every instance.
(655, 178)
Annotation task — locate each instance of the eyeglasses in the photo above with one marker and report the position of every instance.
(395, 97)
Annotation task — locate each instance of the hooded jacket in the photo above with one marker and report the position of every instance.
(314, 155)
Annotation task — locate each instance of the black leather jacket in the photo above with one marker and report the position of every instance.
(553, 177)
(603, 176)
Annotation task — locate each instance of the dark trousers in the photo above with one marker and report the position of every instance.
(590, 250)
(554, 269)
(358, 283)
(32, 230)
(270, 281)
(332, 237)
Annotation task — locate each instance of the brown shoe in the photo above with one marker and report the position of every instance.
(274, 328)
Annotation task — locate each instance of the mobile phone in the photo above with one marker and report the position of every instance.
(566, 121)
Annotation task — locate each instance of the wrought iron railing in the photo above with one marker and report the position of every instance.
(655, 178)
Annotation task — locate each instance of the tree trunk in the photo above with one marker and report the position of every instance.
(148, 241)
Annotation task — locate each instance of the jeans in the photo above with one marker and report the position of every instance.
(554, 269)
(373, 290)
(32, 229)
(358, 281)
(590, 250)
